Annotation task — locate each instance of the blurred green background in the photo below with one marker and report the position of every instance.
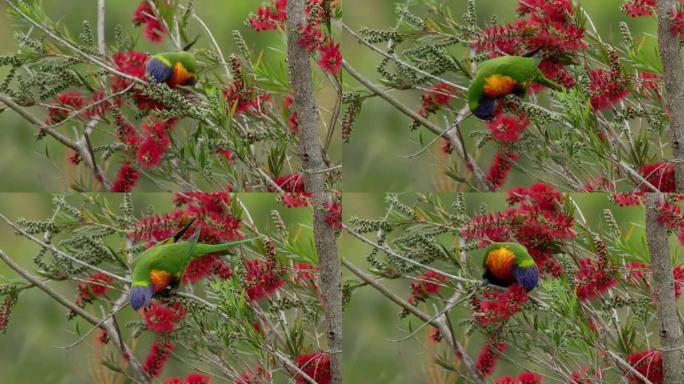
(28, 352)
(372, 161)
(372, 321)
(27, 165)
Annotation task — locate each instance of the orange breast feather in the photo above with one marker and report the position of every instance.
(160, 279)
(500, 263)
(180, 75)
(498, 86)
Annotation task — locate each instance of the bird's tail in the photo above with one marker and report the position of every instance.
(545, 81)
(205, 249)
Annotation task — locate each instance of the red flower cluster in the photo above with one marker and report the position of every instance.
(677, 23)
(92, 287)
(425, 285)
(6, 311)
(304, 274)
(606, 89)
(262, 279)
(267, 18)
(636, 8)
(315, 365)
(162, 318)
(632, 199)
(649, 364)
(489, 356)
(215, 223)
(523, 378)
(495, 306)
(439, 96)
(593, 278)
(333, 215)
(126, 178)
(294, 195)
(155, 142)
(193, 378)
(242, 97)
(331, 58)
(537, 222)
(66, 103)
(661, 175)
(508, 128)
(254, 376)
(157, 358)
(154, 29)
(501, 167)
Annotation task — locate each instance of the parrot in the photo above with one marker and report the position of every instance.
(173, 68)
(160, 268)
(502, 76)
(509, 263)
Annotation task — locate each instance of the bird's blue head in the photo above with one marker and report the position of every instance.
(527, 277)
(159, 71)
(140, 296)
(486, 110)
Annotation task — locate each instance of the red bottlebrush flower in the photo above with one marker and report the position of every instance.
(241, 99)
(507, 128)
(290, 183)
(295, 200)
(315, 365)
(66, 103)
(440, 95)
(125, 179)
(669, 215)
(648, 81)
(636, 8)
(677, 23)
(661, 175)
(101, 106)
(489, 356)
(556, 71)
(496, 306)
(649, 364)
(173, 380)
(606, 89)
(268, 19)
(678, 275)
(628, 199)
(557, 11)
(125, 131)
(311, 38)
(304, 274)
(157, 358)
(161, 318)
(501, 167)
(261, 279)
(155, 143)
(592, 279)
(334, 215)
(293, 123)
(530, 378)
(75, 157)
(542, 196)
(200, 268)
(197, 378)
(154, 29)
(254, 376)
(425, 285)
(331, 58)
(93, 286)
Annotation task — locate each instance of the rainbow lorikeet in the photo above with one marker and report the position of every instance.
(173, 68)
(502, 76)
(509, 263)
(160, 268)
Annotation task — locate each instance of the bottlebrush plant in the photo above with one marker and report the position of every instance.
(591, 318)
(229, 126)
(604, 132)
(250, 315)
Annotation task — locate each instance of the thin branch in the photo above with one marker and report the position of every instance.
(452, 137)
(217, 48)
(101, 44)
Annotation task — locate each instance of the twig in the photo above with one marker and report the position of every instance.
(453, 139)
(101, 44)
(217, 48)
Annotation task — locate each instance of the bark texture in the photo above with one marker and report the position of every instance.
(674, 84)
(663, 287)
(313, 166)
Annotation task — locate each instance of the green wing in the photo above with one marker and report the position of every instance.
(522, 257)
